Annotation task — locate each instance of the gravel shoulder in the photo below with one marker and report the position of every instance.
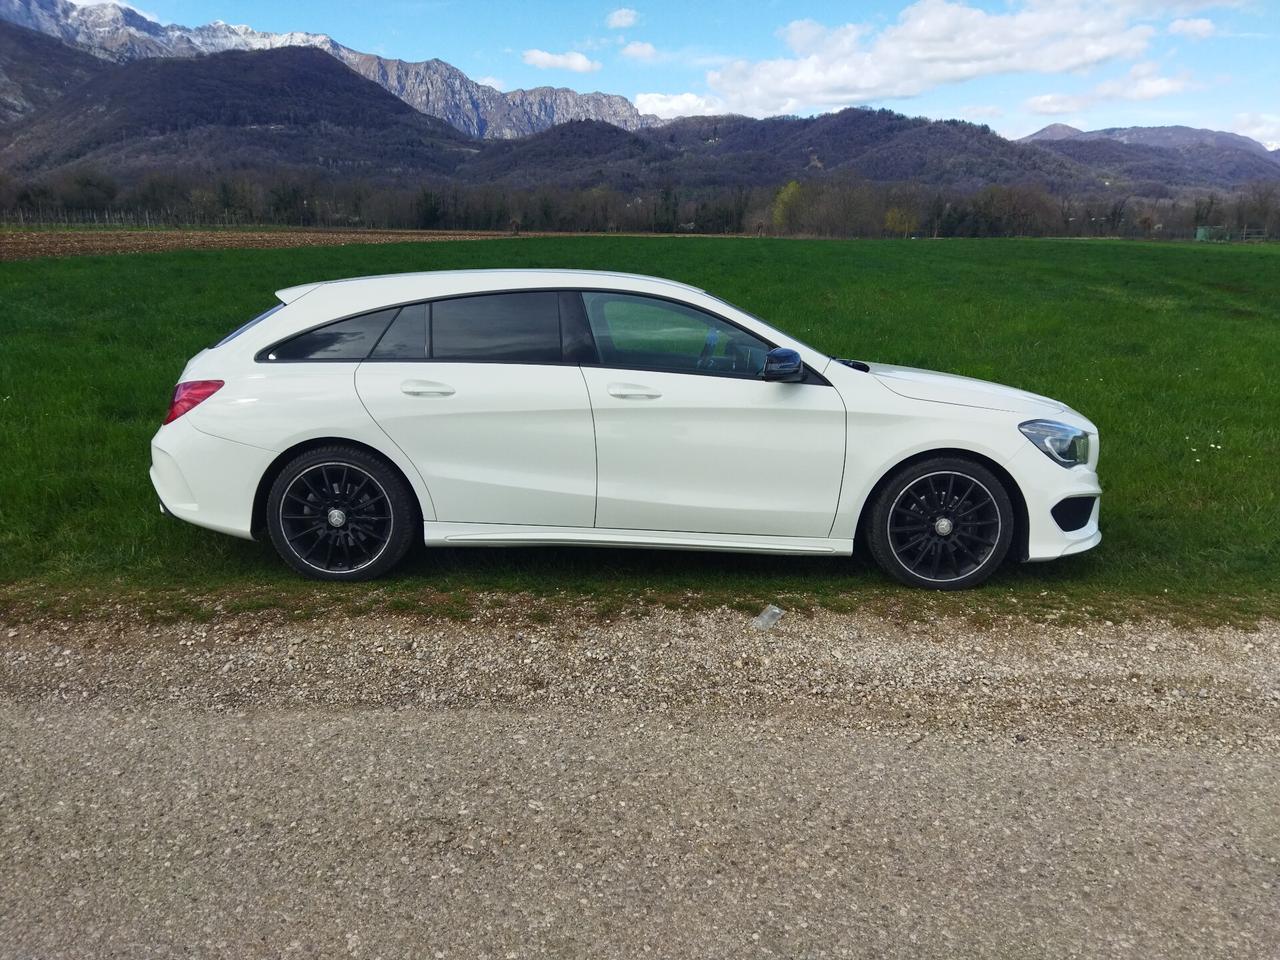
(669, 785)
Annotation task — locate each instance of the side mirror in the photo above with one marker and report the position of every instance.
(782, 365)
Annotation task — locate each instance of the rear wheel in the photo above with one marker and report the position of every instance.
(340, 513)
(942, 523)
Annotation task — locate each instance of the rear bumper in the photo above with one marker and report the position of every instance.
(206, 480)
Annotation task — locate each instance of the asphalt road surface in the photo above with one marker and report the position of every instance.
(666, 786)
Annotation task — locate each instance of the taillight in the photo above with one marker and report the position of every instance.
(190, 394)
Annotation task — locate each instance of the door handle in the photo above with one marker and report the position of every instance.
(426, 388)
(633, 391)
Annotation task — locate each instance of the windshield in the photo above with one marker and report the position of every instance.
(243, 327)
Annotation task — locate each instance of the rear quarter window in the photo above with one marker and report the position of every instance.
(349, 339)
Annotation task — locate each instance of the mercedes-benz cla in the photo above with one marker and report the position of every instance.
(534, 407)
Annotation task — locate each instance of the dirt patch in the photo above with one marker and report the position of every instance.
(30, 244)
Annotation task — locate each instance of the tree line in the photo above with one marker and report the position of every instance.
(841, 207)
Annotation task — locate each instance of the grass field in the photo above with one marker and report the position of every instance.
(1173, 350)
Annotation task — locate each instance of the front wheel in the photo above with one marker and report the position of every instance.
(942, 523)
(340, 513)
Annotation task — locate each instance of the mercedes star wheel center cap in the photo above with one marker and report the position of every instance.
(942, 527)
(336, 517)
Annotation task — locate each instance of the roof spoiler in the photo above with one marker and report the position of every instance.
(290, 294)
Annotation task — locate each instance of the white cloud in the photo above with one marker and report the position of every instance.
(1197, 29)
(670, 105)
(1264, 127)
(1054, 104)
(636, 50)
(1143, 82)
(575, 61)
(933, 42)
(492, 82)
(621, 18)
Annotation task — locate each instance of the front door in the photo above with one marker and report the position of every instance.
(688, 438)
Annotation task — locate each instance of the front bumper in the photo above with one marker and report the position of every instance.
(1045, 484)
(206, 480)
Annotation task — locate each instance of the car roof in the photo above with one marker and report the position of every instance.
(445, 282)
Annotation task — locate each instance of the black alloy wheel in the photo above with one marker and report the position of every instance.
(943, 523)
(339, 513)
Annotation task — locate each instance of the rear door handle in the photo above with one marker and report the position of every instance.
(426, 388)
(633, 391)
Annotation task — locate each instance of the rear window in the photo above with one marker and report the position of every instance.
(501, 327)
(349, 339)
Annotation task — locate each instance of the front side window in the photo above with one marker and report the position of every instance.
(349, 339)
(651, 334)
(499, 327)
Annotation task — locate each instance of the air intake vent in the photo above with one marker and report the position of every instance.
(1073, 512)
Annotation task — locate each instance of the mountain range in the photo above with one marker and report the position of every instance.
(102, 87)
(1161, 155)
(433, 87)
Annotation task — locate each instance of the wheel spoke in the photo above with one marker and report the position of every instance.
(312, 549)
(976, 506)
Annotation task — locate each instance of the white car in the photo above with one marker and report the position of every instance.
(539, 407)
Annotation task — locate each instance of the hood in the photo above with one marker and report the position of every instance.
(962, 391)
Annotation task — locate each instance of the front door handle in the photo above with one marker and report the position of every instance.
(426, 388)
(633, 391)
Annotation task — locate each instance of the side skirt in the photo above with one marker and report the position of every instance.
(440, 534)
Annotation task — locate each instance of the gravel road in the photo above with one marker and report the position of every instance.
(668, 785)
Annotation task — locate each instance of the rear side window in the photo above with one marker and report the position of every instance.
(349, 339)
(500, 327)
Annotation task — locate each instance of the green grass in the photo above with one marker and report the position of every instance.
(1173, 350)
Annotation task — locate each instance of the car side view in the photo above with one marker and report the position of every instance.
(563, 407)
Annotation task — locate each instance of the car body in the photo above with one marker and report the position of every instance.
(539, 407)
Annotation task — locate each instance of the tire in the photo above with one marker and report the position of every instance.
(944, 523)
(341, 513)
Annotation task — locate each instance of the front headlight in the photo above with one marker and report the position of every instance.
(1060, 442)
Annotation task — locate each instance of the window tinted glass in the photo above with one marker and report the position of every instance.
(406, 338)
(659, 335)
(510, 327)
(350, 339)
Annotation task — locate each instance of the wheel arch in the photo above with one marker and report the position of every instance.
(259, 521)
(1018, 548)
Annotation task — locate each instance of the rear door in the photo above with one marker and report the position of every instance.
(690, 439)
(484, 394)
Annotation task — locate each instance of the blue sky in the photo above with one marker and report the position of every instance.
(1015, 65)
